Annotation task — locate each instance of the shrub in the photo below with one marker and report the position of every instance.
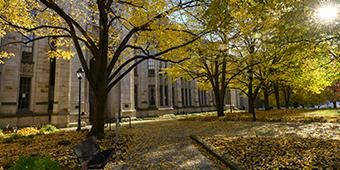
(36, 163)
(47, 129)
(2, 135)
(27, 131)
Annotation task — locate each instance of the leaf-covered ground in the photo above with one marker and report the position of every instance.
(283, 115)
(58, 146)
(162, 144)
(278, 153)
(167, 144)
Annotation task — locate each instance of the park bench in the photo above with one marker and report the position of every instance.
(89, 155)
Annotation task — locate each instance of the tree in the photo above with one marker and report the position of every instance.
(118, 34)
(333, 93)
(211, 66)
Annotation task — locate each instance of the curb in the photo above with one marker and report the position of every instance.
(224, 159)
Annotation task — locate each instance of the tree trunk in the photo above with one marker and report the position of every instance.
(277, 96)
(98, 115)
(266, 99)
(101, 74)
(286, 92)
(251, 98)
(251, 107)
(220, 110)
(334, 104)
(219, 102)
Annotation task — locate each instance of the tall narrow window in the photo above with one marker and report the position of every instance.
(173, 97)
(199, 97)
(27, 50)
(190, 97)
(166, 95)
(152, 95)
(24, 93)
(182, 94)
(161, 103)
(136, 96)
(205, 98)
(151, 68)
(186, 96)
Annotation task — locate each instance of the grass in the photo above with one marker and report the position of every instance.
(283, 115)
(278, 153)
(58, 146)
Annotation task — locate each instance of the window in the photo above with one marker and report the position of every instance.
(152, 95)
(28, 47)
(24, 93)
(202, 98)
(173, 96)
(151, 68)
(166, 95)
(186, 97)
(190, 97)
(205, 98)
(27, 50)
(182, 94)
(136, 96)
(27, 57)
(161, 103)
(199, 97)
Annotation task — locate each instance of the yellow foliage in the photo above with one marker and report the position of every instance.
(3, 55)
(27, 131)
(58, 53)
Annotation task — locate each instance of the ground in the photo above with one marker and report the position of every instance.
(165, 143)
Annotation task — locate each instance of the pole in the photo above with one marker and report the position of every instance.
(79, 106)
(118, 114)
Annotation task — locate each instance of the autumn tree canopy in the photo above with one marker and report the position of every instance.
(118, 34)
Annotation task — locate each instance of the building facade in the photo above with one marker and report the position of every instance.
(33, 86)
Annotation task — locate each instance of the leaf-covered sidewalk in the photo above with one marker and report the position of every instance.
(167, 145)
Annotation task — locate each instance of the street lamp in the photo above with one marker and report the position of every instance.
(80, 76)
(327, 12)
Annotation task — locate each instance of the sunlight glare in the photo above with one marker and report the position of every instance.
(328, 12)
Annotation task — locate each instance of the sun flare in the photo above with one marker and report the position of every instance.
(328, 12)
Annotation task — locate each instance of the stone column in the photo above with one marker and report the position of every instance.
(10, 76)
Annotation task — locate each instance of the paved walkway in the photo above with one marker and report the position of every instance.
(166, 144)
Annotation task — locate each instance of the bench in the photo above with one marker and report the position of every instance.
(89, 155)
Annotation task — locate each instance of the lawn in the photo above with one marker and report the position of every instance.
(58, 146)
(277, 153)
(166, 144)
(282, 115)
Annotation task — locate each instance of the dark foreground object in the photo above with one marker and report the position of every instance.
(89, 155)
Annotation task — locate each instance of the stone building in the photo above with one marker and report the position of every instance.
(32, 85)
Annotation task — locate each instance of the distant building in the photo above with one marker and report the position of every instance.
(31, 86)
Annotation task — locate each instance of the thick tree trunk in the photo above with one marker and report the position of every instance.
(286, 92)
(266, 99)
(251, 100)
(251, 109)
(334, 104)
(219, 102)
(277, 96)
(98, 115)
(220, 110)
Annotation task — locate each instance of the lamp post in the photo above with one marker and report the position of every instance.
(80, 76)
